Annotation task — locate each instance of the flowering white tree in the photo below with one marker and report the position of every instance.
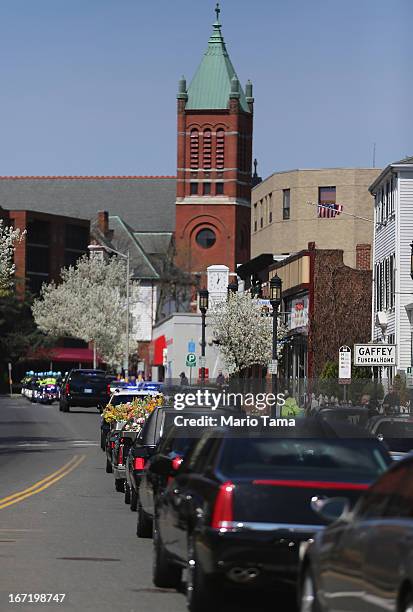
(9, 237)
(243, 332)
(88, 304)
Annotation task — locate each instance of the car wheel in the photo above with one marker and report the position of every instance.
(120, 485)
(200, 592)
(165, 574)
(407, 605)
(308, 595)
(144, 524)
(133, 500)
(109, 469)
(127, 493)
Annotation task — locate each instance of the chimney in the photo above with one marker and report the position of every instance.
(103, 222)
(363, 254)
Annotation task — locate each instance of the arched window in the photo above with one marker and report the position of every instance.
(194, 149)
(220, 149)
(207, 149)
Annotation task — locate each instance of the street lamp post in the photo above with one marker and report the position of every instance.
(275, 300)
(96, 248)
(203, 296)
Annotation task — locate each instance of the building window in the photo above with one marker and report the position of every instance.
(261, 222)
(194, 149)
(207, 150)
(194, 188)
(286, 203)
(206, 238)
(255, 226)
(219, 188)
(270, 217)
(206, 188)
(327, 195)
(220, 150)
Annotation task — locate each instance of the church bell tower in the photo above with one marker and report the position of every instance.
(213, 194)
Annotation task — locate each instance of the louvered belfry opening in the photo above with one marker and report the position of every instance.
(194, 152)
(220, 149)
(207, 149)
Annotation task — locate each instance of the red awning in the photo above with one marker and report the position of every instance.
(159, 344)
(72, 354)
(80, 355)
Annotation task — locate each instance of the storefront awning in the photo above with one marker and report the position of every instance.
(60, 354)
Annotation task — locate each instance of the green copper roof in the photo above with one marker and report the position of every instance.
(211, 86)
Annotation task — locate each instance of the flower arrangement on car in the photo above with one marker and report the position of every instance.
(132, 414)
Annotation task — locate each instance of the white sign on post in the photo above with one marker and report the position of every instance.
(375, 354)
(344, 365)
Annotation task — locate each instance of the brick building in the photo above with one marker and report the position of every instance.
(326, 304)
(215, 124)
(51, 242)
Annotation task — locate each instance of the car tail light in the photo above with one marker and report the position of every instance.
(176, 462)
(138, 463)
(120, 455)
(67, 388)
(112, 445)
(223, 513)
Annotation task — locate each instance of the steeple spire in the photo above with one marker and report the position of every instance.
(217, 11)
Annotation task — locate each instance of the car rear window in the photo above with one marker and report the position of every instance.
(327, 459)
(88, 376)
(395, 429)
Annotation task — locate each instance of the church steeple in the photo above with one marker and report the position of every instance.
(214, 135)
(211, 86)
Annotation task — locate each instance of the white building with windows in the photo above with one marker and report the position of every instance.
(393, 234)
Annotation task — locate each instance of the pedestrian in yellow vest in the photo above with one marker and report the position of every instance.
(291, 408)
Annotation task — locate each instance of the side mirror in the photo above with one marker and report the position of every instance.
(330, 509)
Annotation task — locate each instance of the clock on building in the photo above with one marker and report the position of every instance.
(218, 278)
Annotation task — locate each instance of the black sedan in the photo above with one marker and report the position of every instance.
(363, 561)
(170, 452)
(239, 508)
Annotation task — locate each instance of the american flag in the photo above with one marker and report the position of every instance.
(329, 211)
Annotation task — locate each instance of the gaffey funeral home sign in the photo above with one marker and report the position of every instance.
(374, 354)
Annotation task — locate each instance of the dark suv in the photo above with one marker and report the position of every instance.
(84, 388)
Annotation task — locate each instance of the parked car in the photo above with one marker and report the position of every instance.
(239, 508)
(396, 431)
(363, 560)
(84, 388)
(171, 449)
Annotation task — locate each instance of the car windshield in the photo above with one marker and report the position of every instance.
(124, 399)
(332, 459)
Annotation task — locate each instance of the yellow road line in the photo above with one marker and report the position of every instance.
(40, 482)
(49, 480)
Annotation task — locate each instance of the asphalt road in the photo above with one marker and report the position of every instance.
(64, 529)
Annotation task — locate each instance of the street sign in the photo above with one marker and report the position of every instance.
(202, 362)
(375, 354)
(272, 367)
(191, 360)
(344, 365)
(191, 346)
(409, 380)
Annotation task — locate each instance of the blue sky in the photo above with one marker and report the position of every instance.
(88, 86)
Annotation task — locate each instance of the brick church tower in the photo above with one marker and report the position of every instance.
(213, 199)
